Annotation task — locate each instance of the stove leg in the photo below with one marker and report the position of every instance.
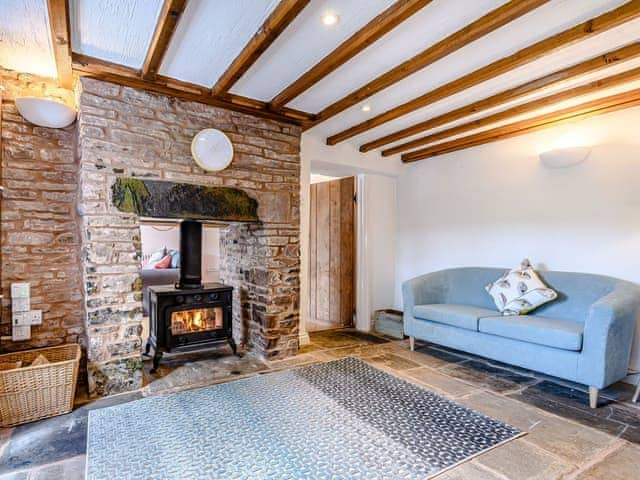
(232, 343)
(147, 347)
(156, 360)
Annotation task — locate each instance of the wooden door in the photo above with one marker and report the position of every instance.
(331, 255)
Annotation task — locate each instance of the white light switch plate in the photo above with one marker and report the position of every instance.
(20, 290)
(20, 304)
(21, 333)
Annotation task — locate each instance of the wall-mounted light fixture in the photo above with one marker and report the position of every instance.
(564, 157)
(45, 112)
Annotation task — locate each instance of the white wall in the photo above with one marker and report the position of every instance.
(344, 159)
(210, 254)
(496, 204)
(375, 253)
(155, 237)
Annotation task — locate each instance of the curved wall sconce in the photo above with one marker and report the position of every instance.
(45, 112)
(564, 157)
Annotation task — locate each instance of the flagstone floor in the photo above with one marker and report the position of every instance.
(566, 439)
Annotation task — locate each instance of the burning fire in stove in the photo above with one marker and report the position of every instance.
(191, 321)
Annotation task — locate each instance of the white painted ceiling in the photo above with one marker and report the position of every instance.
(212, 32)
(114, 30)
(430, 25)
(436, 75)
(304, 43)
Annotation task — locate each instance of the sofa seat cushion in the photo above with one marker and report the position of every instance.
(461, 316)
(551, 332)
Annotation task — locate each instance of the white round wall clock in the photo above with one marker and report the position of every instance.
(212, 150)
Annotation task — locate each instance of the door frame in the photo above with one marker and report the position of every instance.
(361, 300)
(307, 236)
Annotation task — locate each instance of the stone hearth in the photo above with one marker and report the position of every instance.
(125, 133)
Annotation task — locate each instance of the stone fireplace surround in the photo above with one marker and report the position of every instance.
(128, 133)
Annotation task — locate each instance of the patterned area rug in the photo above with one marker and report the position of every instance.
(340, 420)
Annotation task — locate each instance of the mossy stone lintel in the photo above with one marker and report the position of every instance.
(157, 199)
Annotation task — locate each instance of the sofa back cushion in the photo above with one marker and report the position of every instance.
(466, 286)
(576, 291)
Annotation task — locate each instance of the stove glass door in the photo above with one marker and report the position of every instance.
(196, 320)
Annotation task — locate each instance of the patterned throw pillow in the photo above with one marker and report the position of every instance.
(520, 291)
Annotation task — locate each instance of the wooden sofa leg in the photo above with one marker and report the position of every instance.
(412, 343)
(593, 397)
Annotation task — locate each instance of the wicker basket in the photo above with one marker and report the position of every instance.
(33, 393)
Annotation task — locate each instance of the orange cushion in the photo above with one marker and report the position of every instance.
(164, 263)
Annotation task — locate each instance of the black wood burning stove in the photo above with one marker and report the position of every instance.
(189, 315)
(184, 320)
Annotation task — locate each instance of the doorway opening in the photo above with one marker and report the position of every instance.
(332, 240)
(160, 263)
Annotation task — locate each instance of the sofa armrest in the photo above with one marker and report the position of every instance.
(425, 289)
(608, 335)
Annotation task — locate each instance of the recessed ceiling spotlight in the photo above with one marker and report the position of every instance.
(366, 108)
(330, 19)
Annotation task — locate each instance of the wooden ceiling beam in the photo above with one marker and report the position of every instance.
(587, 89)
(167, 22)
(110, 72)
(61, 40)
(273, 26)
(571, 114)
(484, 25)
(556, 78)
(566, 38)
(363, 38)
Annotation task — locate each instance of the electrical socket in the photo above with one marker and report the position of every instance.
(34, 317)
(19, 333)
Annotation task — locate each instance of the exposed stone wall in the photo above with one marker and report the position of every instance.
(123, 132)
(40, 233)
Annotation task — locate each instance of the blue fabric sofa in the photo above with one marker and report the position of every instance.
(584, 336)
